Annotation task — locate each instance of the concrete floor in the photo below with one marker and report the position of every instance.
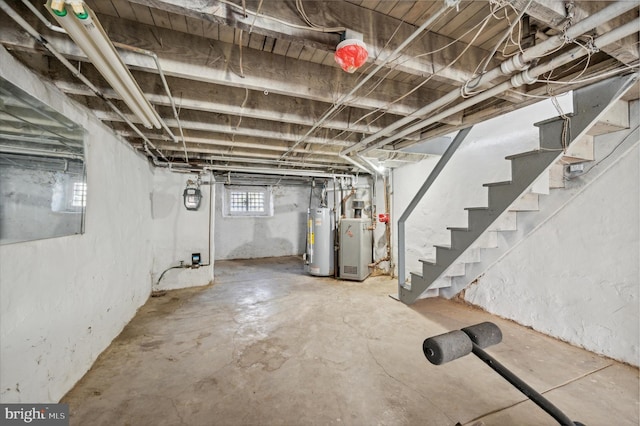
(269, 345)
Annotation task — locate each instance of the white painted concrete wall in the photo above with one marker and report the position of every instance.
(26, 213)
(282, 234)
(178, 232)
(479, 160)
(63, 300)
(577, 277)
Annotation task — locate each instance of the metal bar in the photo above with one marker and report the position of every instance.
(462, 134)
(523, 387)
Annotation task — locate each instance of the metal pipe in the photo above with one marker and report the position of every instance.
(38, 37)
(166, 88)
(268, 160)
(527, 75)
(506, 68)
(379, 170)
(58, 29)
(283, 172)
(398, 49)
(457, 141)
(523, 387)
(39, 152)
(42, 18)
(355, 163)
(336, 253)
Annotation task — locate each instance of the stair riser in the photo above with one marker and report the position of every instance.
(445, 257)
(463, 239)
(431, 272)
(501, 197)
(589, 104)
(481, 219)
(530, 167)
(551, 134)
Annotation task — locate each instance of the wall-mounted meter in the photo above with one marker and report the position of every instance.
(192, 196)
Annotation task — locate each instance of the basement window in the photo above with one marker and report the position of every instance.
(248, 201)
(69, 193)
(79, 194)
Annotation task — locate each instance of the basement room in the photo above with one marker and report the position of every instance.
(305, 212)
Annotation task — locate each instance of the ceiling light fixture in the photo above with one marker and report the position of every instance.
(351, 52)
(85, 30)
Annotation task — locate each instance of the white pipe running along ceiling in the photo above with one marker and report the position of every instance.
(518, 62)
(244, 83)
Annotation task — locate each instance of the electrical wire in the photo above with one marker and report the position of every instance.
(255, 16)
(482, 25)
(386, 106)
(595, 77)
(302, 12)
(606, 156)
(343, 105)
(493, 10)
(280, 21)
(508, 33)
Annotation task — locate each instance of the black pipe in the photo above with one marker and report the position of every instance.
(519, 384)
(170, 268)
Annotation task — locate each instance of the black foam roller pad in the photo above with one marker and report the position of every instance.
(447, 347)
(484, 334)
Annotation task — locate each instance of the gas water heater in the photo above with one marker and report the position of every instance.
(320, 242)
(356, 249)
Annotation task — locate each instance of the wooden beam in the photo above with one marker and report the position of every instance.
(199, 96)
(381, 33)
(193, 124)
(195, 58)
(553, 13)
(219, 141)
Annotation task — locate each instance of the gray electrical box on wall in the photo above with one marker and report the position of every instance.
(355, 249)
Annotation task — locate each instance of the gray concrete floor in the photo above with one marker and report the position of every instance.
(269, 345)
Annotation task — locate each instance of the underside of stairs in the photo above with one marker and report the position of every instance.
(564, 141)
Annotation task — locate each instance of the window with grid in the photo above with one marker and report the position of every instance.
(245, 201)
(248, 201)
(79, 194)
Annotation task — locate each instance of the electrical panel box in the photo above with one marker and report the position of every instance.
(356, 249)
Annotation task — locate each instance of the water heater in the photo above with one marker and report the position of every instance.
(320, 237)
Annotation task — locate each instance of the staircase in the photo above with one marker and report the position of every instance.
(562, 141)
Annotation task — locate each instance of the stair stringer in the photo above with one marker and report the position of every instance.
(590, 103)
(529, 222)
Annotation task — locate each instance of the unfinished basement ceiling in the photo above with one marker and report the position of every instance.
(256, 86)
